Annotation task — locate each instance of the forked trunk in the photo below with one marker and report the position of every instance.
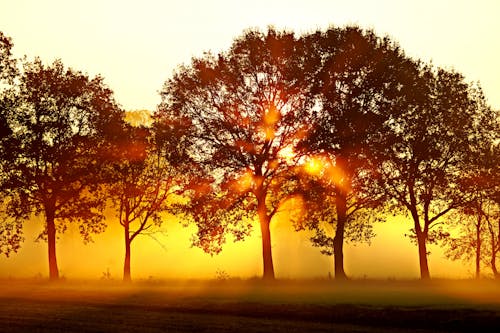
(51, 242)
(338, 240)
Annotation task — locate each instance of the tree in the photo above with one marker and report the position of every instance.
(429, 154)
(62, 127)
(10, 230)
(492, 216)
(357, 79)
(478, 222)
(148, 173)
(247, 109)
(478, 236)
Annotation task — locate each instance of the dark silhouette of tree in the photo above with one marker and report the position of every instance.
(10, 230)
(478, 237)
(62, 125)
(247, 109)
(358, 78)
(148, 174)
(492, 215)
(429, 155)
(478, 222)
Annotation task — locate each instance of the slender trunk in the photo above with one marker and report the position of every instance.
(126, 265)
(51, 242)
(493, 263)
(338, 240)
(494, 254)
(478, 248)
(495, 246)
(267, 255)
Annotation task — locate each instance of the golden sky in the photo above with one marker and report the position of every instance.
(136, 45)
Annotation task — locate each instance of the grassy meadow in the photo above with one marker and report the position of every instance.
(250, 306)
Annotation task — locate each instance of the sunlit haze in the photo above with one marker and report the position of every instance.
(137, 45)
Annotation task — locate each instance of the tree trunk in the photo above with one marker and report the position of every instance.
(51, 242)
(422, 255)
(267, 255)
(494, 253)
(126, 264)
(493, 262)
(421, 243)
(478, 248)
(338, 240)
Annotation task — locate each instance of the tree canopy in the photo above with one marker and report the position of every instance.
(357, 79)
(62, 124)
(429, 157)
(247, 109)
(340, 121)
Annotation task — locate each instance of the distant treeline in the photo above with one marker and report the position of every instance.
(339, 127)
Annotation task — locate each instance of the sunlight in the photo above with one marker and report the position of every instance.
(269, 133)
(139, 118)
(245, 182)
(272, 116)
(292, 209)
(287, 154)
(337, 176)
(315, 165)
(321, 166)
(269, 121)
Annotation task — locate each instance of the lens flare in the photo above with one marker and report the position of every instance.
(315, 165)
(269, 120)
(322, 166)
(245, 182)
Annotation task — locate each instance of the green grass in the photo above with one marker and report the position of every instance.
(250, 306)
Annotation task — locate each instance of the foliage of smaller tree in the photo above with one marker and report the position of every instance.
(148, 174)
(478, 222)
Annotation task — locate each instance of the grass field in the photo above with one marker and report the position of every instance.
(250, 306)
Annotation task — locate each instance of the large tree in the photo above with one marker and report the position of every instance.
(357, 79)
(61, 127)
(247, 108)
(430, 152)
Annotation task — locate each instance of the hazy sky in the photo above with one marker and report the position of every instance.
(136, 45)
